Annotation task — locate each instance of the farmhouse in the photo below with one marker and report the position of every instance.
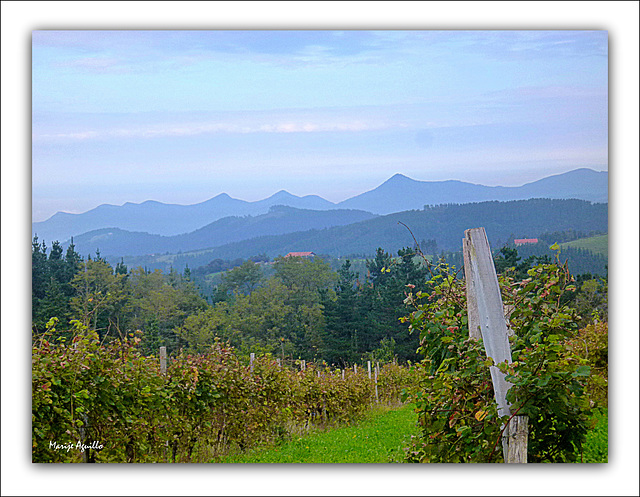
(300, 254)
(525, 241)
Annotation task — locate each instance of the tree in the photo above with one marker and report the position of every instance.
(383, 300)
(160, 305)
(307, 275)
(51, 277)
(244, 278)
(101, 297)
(344, 324)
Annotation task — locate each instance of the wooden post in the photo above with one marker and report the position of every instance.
(355, 368)
(486, 315)
(369, 368)
(517, 439)
(376, 383)
(472, 303)
(252, 358)
(303, 365)
(279, 364)
(343, 374)
(163, 360)
(483, 284)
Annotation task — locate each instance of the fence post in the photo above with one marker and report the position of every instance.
(355, 368)
(487, 320)
(472, 304)
(517, 434)
(279, 364)
(163, 360)
(303, 365)
(252, 357)
(343, 374)
(376, 384)
(369, 368)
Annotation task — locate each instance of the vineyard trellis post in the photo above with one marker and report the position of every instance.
(487, 321)
(376, 385)
(163, 360)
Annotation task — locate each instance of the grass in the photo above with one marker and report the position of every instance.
(598, 245)
(378, 438)
(596, 447)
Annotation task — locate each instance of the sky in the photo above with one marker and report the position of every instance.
(182, 116)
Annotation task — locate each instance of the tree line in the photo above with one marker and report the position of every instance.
(297, 309)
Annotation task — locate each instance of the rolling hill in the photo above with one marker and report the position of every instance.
(279, 220)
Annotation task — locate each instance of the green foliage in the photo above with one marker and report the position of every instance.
(244, 278)
(596, 447)
(51, 278)
(591, 344)
(455, 400)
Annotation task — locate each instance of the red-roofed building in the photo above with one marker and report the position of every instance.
(525, 241)
(300, 254)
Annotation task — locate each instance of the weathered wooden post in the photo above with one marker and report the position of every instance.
(163, 360)
(343, 374)
(369, 368)
(303, 365)
(252, 358)
(487, 321)
(376, 385)
(355, 368)
(517, 434)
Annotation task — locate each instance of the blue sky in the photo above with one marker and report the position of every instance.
(181, 116)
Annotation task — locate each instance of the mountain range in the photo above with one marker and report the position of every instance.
(399, 193)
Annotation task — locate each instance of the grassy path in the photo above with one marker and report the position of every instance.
(378, 438)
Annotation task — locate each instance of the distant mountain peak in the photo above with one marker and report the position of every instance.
(282, 194)
(399, 177)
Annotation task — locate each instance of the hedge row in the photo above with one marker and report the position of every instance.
(114, 402)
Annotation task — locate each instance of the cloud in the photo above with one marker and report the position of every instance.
(102, 128)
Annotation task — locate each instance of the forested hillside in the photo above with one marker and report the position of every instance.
(113, 242)
(441, 226)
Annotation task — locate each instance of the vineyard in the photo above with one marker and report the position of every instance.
(289, 357)
(96, 402)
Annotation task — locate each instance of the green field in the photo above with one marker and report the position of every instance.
(596, 244)
(378, 438)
